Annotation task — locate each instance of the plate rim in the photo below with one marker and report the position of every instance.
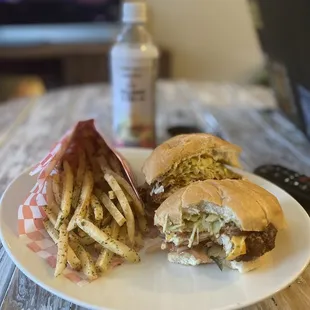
(81, 303)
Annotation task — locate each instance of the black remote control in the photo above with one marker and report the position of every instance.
(297, 185)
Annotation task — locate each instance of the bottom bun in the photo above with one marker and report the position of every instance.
(190, 260)
(187, 259)
(244, 267)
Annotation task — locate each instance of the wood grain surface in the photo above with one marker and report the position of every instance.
(38, 127)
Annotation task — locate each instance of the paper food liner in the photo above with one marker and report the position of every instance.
(31, 213)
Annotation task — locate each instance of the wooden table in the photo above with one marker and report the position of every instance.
(28, 128)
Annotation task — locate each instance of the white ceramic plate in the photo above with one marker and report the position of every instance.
(156, 284)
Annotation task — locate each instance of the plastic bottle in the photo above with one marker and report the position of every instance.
(134, 60)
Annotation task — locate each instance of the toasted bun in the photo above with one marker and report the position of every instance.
(249, 206)
(243, 267)
(186, 259)
(181, 147)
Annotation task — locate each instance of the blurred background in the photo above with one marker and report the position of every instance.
(47, 44)
(52, 43)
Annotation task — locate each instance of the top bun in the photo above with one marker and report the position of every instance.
(181, 147)
(249, 206)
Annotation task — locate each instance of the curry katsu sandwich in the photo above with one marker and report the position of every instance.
(187, 158)
(231, 222)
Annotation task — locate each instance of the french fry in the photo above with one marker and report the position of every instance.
(97, 223)
(67, 190)
(110, 206)
(111, 195)
(106, 221)
(74, 234)
(138, 206)
(53, 233)
(62, 252)
(93, 162)
(50, 214)
(123, 236)
(79, 178)
(81, 233)
(88, 265)
(88, 212)
(142, 223)
(107, 242)
(130, 220)
(98, 246)
(107, 230)
(56, 188)
(83, 219)
(87, 240)
(97, 207)
(50, 196)
(128, 197)
(73, 260)
(73, 237)
(60, 219)
(86, 191)
(106, 255)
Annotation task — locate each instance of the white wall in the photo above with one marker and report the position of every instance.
(208, 39)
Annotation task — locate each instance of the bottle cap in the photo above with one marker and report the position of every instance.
(134, 12)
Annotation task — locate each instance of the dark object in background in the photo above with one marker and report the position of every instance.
(283, 28)
(297, 185)
(178, 130)
(24, 12)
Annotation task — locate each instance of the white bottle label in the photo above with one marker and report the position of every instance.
(133, 101)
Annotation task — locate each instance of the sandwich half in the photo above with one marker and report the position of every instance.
(184, 159)
(230, 222)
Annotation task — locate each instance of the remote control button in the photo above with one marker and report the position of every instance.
(303, 179)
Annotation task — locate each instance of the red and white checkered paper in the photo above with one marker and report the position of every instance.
(31, 213)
